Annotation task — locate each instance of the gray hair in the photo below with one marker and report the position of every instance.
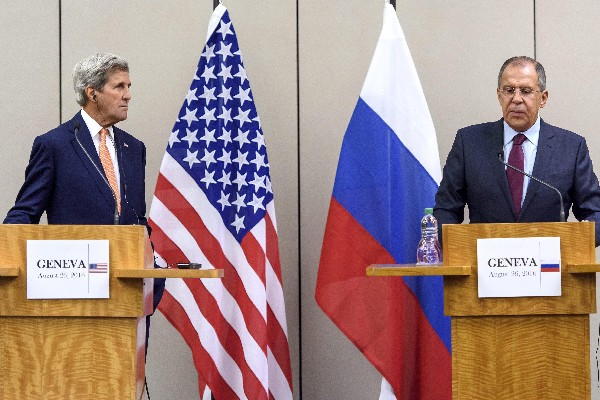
(524, 60)
(93, 71)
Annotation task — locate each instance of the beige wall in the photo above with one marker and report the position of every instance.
(457, 47)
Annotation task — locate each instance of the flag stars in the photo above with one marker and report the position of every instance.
(209, 52)
(240, 181)
(225, 51)
(190, 116)
(225, 73)
(239, 201)
(238, 223)
(190, 137)
(225, 116)
(208, 158)
(242, 138)
(208, 74)
(241, 74)
(242, 116)
(208, 178)
(258, 182)
(225, 179)
(257, 203)
(191, 96)
(268, 186)
(259, 140)
(208, 95)
(259, 161)
(225, 137)
(224, 201)
(225, 29)
(208, 137)
(225, 158)
(191, 158)
(208, 116)
(225, 95)
(243, 96)
(241, 160)
(173, 138)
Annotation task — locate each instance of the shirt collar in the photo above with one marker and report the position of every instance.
(93, 126)
(532, 134)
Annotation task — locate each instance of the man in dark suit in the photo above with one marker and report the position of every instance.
(473, 174)
(66, 177)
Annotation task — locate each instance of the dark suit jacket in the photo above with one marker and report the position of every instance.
(62, 181)
(473, 175)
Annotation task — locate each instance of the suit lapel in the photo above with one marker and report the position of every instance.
(543, 163)
(494, 146)
(84, 148)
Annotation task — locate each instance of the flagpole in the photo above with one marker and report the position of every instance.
(216, 3)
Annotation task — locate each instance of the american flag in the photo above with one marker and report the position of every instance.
(98, 268)
(213, 205)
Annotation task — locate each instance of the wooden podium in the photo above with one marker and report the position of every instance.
(77, 348)
(522, 347)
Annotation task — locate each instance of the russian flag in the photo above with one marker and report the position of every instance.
(388, 172)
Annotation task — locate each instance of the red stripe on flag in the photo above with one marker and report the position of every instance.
(380, 315)
(273, 247)
(278, 343)
(255, 256)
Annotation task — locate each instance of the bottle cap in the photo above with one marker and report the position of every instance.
(429, 211)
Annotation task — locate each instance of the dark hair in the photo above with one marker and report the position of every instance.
(524, 60)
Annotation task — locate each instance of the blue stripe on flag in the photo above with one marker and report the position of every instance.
(385, 189)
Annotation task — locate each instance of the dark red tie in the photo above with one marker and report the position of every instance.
(515, 179)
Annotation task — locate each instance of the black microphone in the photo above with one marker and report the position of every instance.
(562, 208)
(116, 216)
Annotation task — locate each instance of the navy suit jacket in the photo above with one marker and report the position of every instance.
(474, 176)
(62, 181)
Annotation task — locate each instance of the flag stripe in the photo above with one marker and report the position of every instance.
(178, 317)
(229, 309)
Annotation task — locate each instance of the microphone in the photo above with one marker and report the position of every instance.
(562, 208)
(116, 216)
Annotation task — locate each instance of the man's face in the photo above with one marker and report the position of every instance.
(113, 99)
(520, 109)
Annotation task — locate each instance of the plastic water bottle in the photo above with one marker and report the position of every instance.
(429, 250)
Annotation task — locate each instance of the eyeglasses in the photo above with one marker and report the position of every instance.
(510, 91)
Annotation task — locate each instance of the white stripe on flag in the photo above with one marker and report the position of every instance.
(393, 90)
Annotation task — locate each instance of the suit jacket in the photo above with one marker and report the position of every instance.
(473, 175)
(69, 186)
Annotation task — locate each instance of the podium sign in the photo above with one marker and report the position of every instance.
(518, 267)
(67, 269)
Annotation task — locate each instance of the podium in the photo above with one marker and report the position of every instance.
(78, 348)
(520, 347)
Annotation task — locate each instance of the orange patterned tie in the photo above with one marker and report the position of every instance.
(108, 166)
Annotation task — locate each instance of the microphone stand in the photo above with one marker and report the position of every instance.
(562, 208)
